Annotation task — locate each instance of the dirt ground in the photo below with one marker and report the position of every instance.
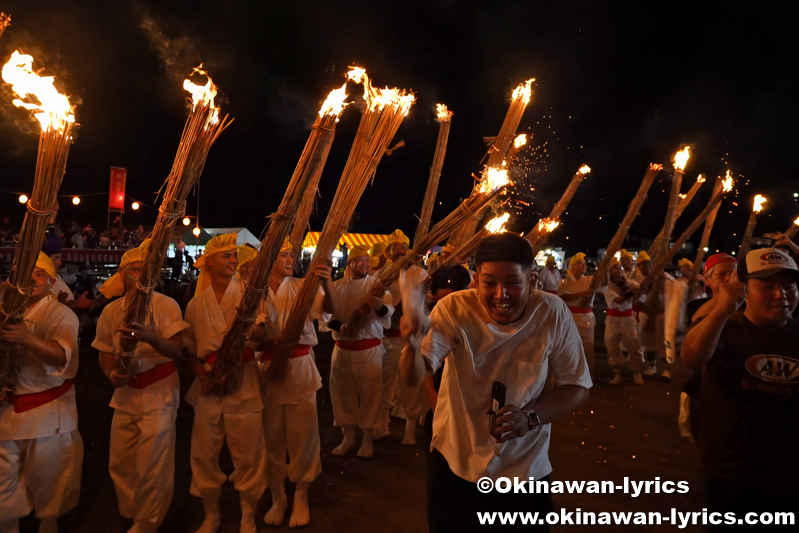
(625, 430)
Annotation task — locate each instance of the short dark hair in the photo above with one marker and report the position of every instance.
(453, 277)
(505, 247)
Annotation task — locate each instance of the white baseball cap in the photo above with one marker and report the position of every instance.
(765, 262)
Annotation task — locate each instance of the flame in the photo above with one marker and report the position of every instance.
(203, 96)
(655, 166)
(494, 179)
(547, 225)
(520, 141)
(335, 104)
(727, 183)
(357, 74)
(682, 196)
(380, 98)
(524, 91)
(53, 110)
(585, 169)
(442, 113)
(757, 205)
(681, 158)
(497, 224)
(700, 179)
(796, 222)
(5, 21)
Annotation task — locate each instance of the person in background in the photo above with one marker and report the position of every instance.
(550, 278)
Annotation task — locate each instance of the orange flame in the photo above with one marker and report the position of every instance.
(681, 158)
(53, 110)
(655, 166)
(757, 205)
(524, 91)
(682, 196)
(585, 169)
(796, 222)
(497, 224)
(5, 21)
(727, 183)
(380, 98)
(700, 179)
(547, 225)
(203, 95)
(334, 104)
(442, 113)
(357, 74)
(520, 140)
(494, 179)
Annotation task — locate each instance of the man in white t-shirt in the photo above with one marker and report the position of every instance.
(550, 277)
(499, 332)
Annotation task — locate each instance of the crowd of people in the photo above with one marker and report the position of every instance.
(485, 354)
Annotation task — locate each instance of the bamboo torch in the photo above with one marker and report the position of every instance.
(307, 172)
(621, 233)
(685, 200)
(384, 111)
(202, 128)
(661, 245)
(790, 232)
(544, 228)
(499, 150)
(444, 119)
(5, 22)
(757, 207)
(725, 185)
(56, 119)
(518, 143)
(542, 231)
(495, 226)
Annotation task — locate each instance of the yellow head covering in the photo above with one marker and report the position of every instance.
(357, 250)
(219, 244)
(551, 260)
(448, 249)
(115, 286)
(643, 256)
(614, 262)
(245, 254)
(576, 258)
(45, 264)
(287, 247)
(396, 238)
(377, 250)
(685, 261)
(624, 253)
(432, 258)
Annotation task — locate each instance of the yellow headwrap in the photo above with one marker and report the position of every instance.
(432, 258)
(396, 238)
(614, 262)
(377, 250)
(685, 261)
(219, 244)
(287, 247)
(576, 258)
(115, 286)
(45, 264)
(245, 254)
(551, 260)
(448, 249)
(643, 256)
(357, 250)
(624, 253)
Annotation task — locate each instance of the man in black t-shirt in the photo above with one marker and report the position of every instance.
(749, 434)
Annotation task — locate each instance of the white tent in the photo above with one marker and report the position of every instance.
(243, 235)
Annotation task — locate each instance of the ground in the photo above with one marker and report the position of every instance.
(625, 430)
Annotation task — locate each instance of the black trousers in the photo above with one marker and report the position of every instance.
(453, 502)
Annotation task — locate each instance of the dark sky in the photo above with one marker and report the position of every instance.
(617, 88)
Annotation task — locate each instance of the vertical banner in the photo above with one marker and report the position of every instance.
(116, 190)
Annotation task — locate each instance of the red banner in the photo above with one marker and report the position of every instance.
(116, 191)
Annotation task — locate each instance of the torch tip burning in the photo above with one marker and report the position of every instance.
(548, 225)
(5, 21)
(700, 179)
(681, 158)
(520, 140)
(727, 183)
(757, 205)
(442, 113)
(203, 95)
(334, 104)
(585, 169)
(497, 224)
(796, 222)
(524, 91)
(356, 74)
(494, 179)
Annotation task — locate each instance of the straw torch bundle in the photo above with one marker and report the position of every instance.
(202, 128)
(303, 184)
(538, 237)
(56, 118)
(444, 119)
(621, 233)
(384, 110)
(720, 185)
(487, 189)
(661, 245)
(685, 200)
(499, 150)
(5, 22)
(312, 162)
(463, 252)
(757, 207)
(790, 232)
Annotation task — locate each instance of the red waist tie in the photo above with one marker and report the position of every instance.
(636, 311)
(26, 402)
(354, 346)
(297, 351)
(616, 312)
(246, 356)
(393, 333)
(551, 292)
(155, 374)
(581, 310)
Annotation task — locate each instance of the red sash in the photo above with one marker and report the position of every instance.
(355, 346)
(246, 356)
(616, 312)
(26, 402)
(581, 310)
(636, 311)
(298, 351)
(393, 333)
(157, 373)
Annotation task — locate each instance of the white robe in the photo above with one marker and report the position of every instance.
(620, 330)
(59, 286)
(41, 451)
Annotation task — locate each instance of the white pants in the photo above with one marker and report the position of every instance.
(624, 331)
(41, 474)
(244, 433)
(293, 428)
(652, 341)
(587, 336)
(393, 351)
(356, 387)
(142, 464)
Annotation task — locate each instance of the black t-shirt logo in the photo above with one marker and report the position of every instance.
(774, 368)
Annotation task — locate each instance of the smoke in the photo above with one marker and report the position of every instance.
(178, 56)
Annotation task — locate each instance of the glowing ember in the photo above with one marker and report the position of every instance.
(520, 140)
(203, 95)
(5, 21)
(682, 196)
(681, 158)
(727, 183)
(335, 104)
(497, 224)
(524, 91)
(796, 222)
(442, 113)
(655, 166)
(547, 225)
(585, 169)
(700, 179)
(757, 205)
(356, 74)
(493, 180)
(53, 110)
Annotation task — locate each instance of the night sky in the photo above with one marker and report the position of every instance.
(617, 88)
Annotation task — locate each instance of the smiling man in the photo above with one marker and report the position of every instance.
(749, 360)
(502, 331)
